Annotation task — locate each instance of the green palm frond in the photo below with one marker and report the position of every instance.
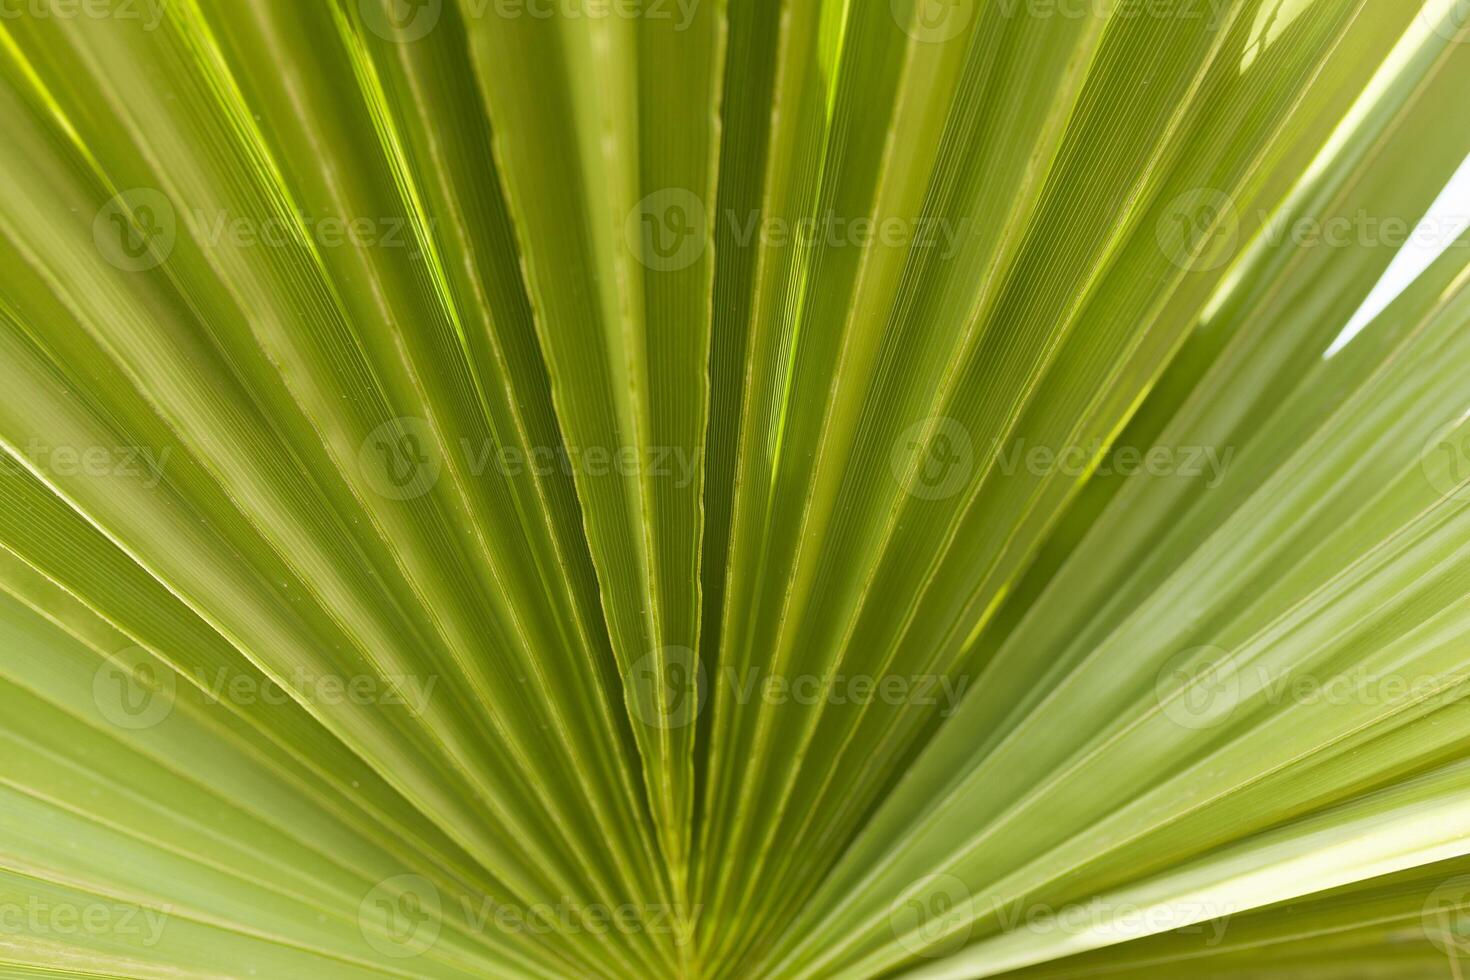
(778, 488)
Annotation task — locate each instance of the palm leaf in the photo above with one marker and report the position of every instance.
(726, 490)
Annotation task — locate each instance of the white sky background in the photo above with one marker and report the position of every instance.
(1447, 218)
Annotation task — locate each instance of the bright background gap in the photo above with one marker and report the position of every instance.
(1446, 219)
